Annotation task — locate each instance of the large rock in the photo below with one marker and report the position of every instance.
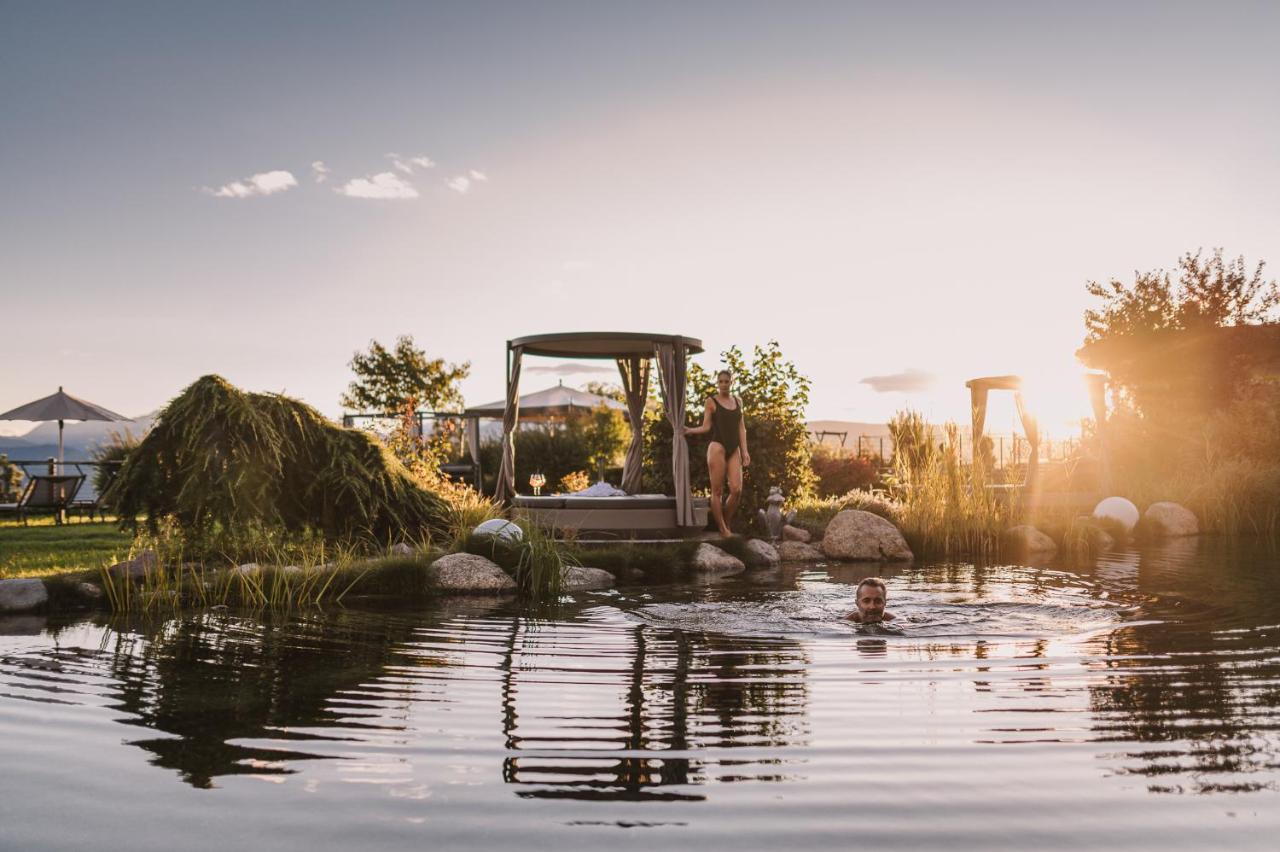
(577, 578)
(402, 549)
(135, 568)
(857, 536)
(22, 595)
(1026, 540)
(710, 559)
(790, 533)
(799, 551)
(762, 554)
(460, 573)
(1169, 520)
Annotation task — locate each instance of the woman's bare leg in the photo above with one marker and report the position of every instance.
(734, 467)
(715, 469)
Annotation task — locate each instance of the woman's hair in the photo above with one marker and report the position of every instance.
(724, 373)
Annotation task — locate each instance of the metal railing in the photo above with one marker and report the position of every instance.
(1006, 450)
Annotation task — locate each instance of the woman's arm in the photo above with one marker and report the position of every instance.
(706, 423)
(742, 435)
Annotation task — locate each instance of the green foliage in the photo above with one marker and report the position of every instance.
(578, 443)
(576, 481)
(10, 480)
(222, 461)
(814, 513)
(110, 456)
(388, 380)
(774, 395)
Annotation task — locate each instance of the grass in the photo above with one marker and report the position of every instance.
(43, 548)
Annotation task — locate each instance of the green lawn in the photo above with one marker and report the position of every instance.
(43, 548)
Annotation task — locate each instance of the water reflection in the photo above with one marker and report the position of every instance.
(1163, 662)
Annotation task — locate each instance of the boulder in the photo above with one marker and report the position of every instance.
(1169, 520)
(857, 536)
(249, 569)
(790, 533)
(135, 568)
(575, 578)
(402, 549)
(22, 595)
(500, 528)
(90, 591)
(799, 551)
(461, 573)
(762, 554)
(710, 559)
(1026, 540)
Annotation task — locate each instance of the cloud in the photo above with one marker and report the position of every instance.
(475, 175)
(320, 170)
(575, 265)
(384, 185)
(910, 381)
(263, 183)
(459, 184)
(409, 164)
(571, 369)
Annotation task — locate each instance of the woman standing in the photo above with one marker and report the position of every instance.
(727, 453)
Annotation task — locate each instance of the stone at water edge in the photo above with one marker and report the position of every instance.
(135, 568)
(466, 572)
(22, 594)
(799, 551)
(1026, 540)
(500, 528)
(710, 559)
(790, 533)
(577, 578)
(249, 569)
(402, 549)
(857, 536)
(762, 554)
(1170, 520)
(1120, 510)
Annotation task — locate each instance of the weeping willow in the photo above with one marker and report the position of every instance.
(222, 460)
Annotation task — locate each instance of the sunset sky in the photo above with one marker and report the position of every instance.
(903, 195)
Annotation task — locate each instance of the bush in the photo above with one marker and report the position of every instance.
(840, 471)
(221, 461)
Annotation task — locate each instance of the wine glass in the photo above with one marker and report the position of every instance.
(537, 480)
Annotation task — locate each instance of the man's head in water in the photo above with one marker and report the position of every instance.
(871, 598)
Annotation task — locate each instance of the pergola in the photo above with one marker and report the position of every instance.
(633, 352)
(979, 389)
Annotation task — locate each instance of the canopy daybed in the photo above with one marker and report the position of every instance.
(636, 514)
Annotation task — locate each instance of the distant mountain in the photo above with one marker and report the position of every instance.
(79, 438)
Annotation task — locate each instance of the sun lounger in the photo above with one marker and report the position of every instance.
(45, 494)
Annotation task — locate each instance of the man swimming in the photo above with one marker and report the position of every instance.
(870, 598)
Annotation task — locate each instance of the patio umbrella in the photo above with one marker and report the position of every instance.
(61, 407)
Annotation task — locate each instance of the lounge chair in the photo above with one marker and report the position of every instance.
(90, 506)
(45, 494)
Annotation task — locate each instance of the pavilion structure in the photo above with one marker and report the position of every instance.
(635, 513)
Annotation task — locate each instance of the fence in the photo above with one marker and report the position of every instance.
(1005, 449)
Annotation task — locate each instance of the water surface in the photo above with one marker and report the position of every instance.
(1131, 704)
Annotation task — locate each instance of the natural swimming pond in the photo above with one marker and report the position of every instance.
(1132, 704)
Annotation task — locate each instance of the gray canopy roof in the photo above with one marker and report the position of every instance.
(599, 344)
(61, 406)
(552, 401)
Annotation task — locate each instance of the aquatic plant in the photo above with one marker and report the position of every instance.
(536, 561)
(222, 461)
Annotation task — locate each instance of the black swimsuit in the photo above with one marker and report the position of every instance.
(724, 426)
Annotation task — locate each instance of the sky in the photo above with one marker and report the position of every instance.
(904, 195)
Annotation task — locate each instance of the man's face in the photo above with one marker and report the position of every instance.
(870, 602)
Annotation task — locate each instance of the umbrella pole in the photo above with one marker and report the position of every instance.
(58, 472)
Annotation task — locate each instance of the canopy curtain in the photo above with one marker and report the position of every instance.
(671, 375)
(506, 487)
(1032, 428)
(979, 414)
(635, 383)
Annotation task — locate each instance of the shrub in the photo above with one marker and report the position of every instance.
(221, 461)
(840, 471)
(576, 481)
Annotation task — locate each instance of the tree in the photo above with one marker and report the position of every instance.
(389, 381)
(1184, 348)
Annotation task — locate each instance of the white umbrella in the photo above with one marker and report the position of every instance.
(61, 407)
